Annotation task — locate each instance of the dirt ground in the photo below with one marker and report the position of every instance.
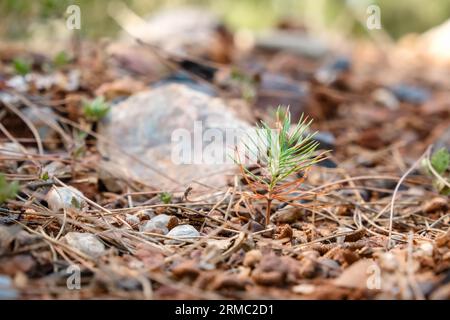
(376, 228)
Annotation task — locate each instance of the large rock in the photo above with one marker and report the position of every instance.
(187, 30)
(293, 41)
(143, 126)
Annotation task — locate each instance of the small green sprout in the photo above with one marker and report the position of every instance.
(61, 59)
(7, 190)
(439, 163)
(282, 152)
(165, 197)
(45, 176)
(21, 66)
(440, 160)
(96, 109)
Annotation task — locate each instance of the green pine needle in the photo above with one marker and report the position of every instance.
(283, 151)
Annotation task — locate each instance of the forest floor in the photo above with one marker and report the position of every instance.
(378, 227)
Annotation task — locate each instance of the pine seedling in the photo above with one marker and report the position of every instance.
(96, 109)
(165, 197)
(285, 154)
(437, 167)
(8, 190)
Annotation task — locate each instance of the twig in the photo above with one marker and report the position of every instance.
(391, 216)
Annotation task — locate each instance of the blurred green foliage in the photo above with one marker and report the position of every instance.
(8, 190)
(21, 66)
(96, 109)
(398, 17)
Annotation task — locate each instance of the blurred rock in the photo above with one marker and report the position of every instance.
(147, 126)
(252, 257)
(411, 94)
(330, 72)
(326, 140)
(132, 219)
(385, 98)
(356, 275)
(274, 90)
(160, 224)
(185, 31)
(184, 79)
(7, 290)
(293, 41)
(86, 243)
(436, 42)
(10, 150)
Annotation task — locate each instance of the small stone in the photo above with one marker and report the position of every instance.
(293, 41)
(184, 231)
(427, 249)
(288, 215)
(160, 223)
(385, 98)
(325, 139)
(10, 150)
(156, 225)
(132, 219)
(252, 257)
(411, 94)
(304, 288)
(389, 261)
(87, 243)
(356, 275)
(55, 168)
(64, 198)
(6, 288)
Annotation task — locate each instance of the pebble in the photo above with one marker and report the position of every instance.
(64, 198)
(159, 224)
(386, 98)
(132, 219)
(87, 243)
(411, 94)
(6, 288)
(184, 231)
(326, 140)
(304, 288)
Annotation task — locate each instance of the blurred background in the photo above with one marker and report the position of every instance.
(19, 18)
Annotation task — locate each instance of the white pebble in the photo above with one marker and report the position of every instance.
(87, 243)
(159, 222)
(64, 198)
(184, 231)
